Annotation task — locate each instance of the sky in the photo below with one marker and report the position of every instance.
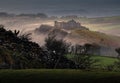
(62, 7)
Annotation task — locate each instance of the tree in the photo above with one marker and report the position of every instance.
(118, 51)
(18, 51)
(25, 36)
(57, 49)
(5, 57)
(82, 58)
(117, 63)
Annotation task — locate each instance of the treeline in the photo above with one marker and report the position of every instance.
(17, 51)
(5, 14)
(40, 15)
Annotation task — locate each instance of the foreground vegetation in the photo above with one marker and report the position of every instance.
(58, 76)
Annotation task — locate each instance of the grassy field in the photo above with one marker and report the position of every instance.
(58, 76)
(103, 61)
(62, 75)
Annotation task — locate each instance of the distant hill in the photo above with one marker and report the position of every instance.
(108, 25)
(112, 19)
(108, 43)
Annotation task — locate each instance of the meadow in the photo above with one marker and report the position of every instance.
(102, 61)
(63, 75)
(58, 76)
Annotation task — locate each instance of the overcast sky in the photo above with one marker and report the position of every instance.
(62, 7)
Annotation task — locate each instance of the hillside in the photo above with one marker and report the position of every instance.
(108, 43)
(97, 37)
(108, 25)
(112, 19)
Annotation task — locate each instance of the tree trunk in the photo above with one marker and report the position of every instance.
(57, 62)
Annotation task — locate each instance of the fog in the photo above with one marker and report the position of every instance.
(29, 24)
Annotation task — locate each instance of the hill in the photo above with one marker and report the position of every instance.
(97, 37)
(108, 25)
(108, 43)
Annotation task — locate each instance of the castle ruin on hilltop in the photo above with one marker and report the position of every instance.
(72, 24)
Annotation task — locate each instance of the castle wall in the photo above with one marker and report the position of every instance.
(69, 25)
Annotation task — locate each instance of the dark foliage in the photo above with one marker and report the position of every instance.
(82, 58)
(18, 52)
(118, 51)
(57, 49)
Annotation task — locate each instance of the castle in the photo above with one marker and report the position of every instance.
(72, 24)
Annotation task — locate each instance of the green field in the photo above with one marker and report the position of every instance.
(102, 61)
(105, 61)
(58, 76)
(63, 75)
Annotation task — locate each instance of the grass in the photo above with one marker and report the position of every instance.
(57, 76)
(62, 75)
(103, 61)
